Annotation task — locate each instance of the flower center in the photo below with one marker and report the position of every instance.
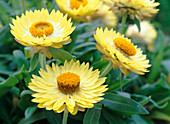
(124, 45)
(41, 28)
(68, 82)
(76, 3)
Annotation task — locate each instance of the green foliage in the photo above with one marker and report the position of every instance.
(92, 115)
(122, 104)
(148, 94)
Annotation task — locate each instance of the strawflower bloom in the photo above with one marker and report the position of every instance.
(79, 10)
(121, 52)
(70, 87)
(147, 33)
(41, 30)
(108, 17)
(139, 8)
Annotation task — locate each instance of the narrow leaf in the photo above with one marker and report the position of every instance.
(60, 54)
(20, 59)
(35, 117)
(137, 22)
(122, 104)
(33, 62)
(52, 117)
(92, 115)
(29, 111)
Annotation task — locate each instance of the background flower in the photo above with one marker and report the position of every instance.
(78, 10)
(108, 17)
(147, 33)
(139, 8)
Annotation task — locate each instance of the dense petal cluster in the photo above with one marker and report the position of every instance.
(139, 8)
(40, 29)
(73, 87)
(121, 52)
(78, 11)
(147, 33)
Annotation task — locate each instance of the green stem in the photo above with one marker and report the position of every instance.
(42, 60)
(65, 117)
(107, 69)
(160, 102)
(23, 5)
(123, 23)
(121, 80)
(44, 5)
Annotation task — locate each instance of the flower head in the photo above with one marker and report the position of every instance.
(147, 33)
(139, 8)
(79, 10)
(121, 52)
(73, 87)
(108, 17)
(39, 29)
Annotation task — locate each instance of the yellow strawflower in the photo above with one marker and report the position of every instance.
(121, 52)
(139, 8)
(70, 87)
(108, 17)
(79, 10)
(41, 30)
(147, 33)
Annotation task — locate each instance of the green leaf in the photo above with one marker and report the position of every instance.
(92, 115)
(137, 119)
(158, 59)
(35, 117)
(137, 22)
(7, 84)
(5, 117)
(33, 62)
(26, 51)
(52, 117)
(122, 104)
(29, 111)
(80, 46)
(25, 102)
(112, 118)
(26, 92)
(60, 54)
(116, 85)
(160, 115)
(79, 116)
(145, 101)
(20, 59)
(163, 82)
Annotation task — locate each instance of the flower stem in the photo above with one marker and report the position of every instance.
(121, 80)
(122, 31)
(23, 5)
(65, 117)
(107, 69)
(44, 5)
(42, 60)
(123, 23)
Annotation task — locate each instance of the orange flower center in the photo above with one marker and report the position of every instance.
(76, 3)
(41, 28)
(68, 82)
(124, 45)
